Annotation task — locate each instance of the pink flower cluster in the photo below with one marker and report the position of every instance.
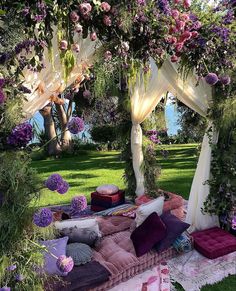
(181, 32)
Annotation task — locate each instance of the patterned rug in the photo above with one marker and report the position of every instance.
(193, 271)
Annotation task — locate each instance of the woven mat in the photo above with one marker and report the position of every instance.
(193, 271)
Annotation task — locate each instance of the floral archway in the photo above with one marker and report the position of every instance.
(63, 40)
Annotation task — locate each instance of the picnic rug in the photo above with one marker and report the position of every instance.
(193, 271)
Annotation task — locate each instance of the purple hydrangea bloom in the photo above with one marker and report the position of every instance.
(211, 79)
(21, 135)
(5, 288)
(2, 97)
(154, 138)
(11, 268)
(43, 217)
(79, 203)
(19, 277)
(76, 125)
(54, 182)
(164, 6)
(225, 80)
(63, 188)
(65, 264)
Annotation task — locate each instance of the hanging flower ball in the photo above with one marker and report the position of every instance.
(74, 17)
(76, 125)
(93, 36)
(19, 277)
(174, 59)
(211, 79)
(76, 48)
(107, 56)
(53, 182)
(2, 97)
(78, 28)
(63, 188)
(86, 94)
(107, 20)
(63, 45)
(65, 264)
(225, 80)
(79, 203)
(106, 7)
(43, 217)
(21, 135)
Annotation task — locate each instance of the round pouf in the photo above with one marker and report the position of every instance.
(80, 253)
(79, 203)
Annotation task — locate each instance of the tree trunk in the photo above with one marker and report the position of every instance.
(66, 141)
(49, 127)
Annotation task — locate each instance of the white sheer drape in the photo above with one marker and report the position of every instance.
(196, 95)
(50, 80)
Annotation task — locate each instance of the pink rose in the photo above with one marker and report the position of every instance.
(93, 36)
(105, 6)
(78, 28)
(107, 56)
(187, 3)
(179, 47)
(186, 35)
(107, 20)
(173, 30)
(175, 13)
(195, 34)
(174, 59)
(74, 17)
(177, 1)
(171, 39)
(85, 8)
(180, 25)
(76, 48)
(63, 45)
(184, 17)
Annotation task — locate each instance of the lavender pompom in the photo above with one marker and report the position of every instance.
(5, 288)
(54, 182)
(76, 125)
(225, 80)
(63, 188)
(21, 135)
(65, 264)
(19, 277)
(79, 203)
(11, 268)
(211, 79)
(43, 217)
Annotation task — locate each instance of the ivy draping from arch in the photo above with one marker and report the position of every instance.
(145, 95)
(47, 84)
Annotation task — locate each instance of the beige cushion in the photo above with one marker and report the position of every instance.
(146, 209)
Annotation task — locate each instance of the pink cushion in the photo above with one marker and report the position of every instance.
(108, 189)
(214, 242)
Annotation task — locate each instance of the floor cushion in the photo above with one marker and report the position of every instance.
(80, 253)
(214, 242)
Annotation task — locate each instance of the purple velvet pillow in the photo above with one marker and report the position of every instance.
(151, 231)
(56, 247)
(175, 227)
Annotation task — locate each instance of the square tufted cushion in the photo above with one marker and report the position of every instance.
(214, 242)
(150, 232)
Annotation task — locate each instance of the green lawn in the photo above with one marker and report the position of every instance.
(87, 170)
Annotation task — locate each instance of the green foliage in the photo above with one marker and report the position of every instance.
(104, 134)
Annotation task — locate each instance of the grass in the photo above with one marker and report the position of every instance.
(87, 170)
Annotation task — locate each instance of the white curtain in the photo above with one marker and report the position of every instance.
(193, 93)
(50, 81)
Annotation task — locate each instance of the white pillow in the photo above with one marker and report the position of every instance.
(107, 189)
(90, 223)
(146, 209)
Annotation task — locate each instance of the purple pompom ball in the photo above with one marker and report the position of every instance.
(54, 182)
(79, 203)
(65, 264)
(63, 188)
(225, 80)
(211, 79)
(43, 217)
(76, 125)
